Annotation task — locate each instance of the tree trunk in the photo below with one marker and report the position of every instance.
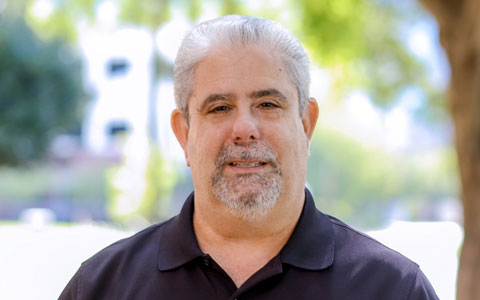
(459, 22)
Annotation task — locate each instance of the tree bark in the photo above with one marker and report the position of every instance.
(459, 23)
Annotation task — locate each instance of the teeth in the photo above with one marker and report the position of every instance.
(246, 165)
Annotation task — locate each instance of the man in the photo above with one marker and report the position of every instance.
(250, 230)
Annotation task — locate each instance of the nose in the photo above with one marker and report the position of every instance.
(245, 128)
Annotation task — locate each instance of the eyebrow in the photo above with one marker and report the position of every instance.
(213, 98)
(253, 95)
(268, 93)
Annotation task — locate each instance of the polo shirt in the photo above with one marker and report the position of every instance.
(323, 259)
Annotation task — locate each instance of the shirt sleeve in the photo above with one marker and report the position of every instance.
(422, 289)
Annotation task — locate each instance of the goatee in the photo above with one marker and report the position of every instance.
(249, 197)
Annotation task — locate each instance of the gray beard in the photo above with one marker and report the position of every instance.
(249, 197)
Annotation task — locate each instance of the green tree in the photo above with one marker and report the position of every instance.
(459, 32)
(361, 184)
(351, 181)
(362, 43)
(155, 179)
(40, 91)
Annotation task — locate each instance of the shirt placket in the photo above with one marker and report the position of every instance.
(220, 281)
(273, 268)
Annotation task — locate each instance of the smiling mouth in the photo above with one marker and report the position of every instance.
(247, 164)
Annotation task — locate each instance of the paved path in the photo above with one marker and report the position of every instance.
(37, 262)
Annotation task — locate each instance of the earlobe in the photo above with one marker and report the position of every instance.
(180, 128)
(310, 117)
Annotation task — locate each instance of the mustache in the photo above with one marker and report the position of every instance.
(254, 151)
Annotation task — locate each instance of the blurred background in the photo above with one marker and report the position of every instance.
(87, 155)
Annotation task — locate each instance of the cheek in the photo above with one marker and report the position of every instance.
(204, 145)
(292, 145)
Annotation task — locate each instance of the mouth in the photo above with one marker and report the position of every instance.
(245, 167)
(241, 164)
(233, 160)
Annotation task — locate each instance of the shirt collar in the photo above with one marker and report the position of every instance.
(178, 243)
(311, 245)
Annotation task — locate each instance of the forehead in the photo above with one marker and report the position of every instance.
(238, 57)
(241, 69)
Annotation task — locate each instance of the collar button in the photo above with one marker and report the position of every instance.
(206, 260)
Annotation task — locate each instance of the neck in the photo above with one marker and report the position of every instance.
(242, 247)
(211, 218)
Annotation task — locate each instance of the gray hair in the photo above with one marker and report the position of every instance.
(234, 30)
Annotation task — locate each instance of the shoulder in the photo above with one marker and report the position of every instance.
(351, 243)
(126, 256)
(369, 262)
(138, 246)
(114, 267)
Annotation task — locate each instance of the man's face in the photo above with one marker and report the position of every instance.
(246, 143)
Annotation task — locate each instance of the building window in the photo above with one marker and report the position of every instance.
(117, 67)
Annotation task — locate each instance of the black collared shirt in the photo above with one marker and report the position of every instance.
(323, 259)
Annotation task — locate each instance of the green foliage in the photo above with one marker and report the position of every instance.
(362, 43)
(143, 190)
(150, 13)
(360, 184)
(334, 29)
(161, 177)
(195, 9)
(22, 185)
(81, 183)
(63, 20)
(230, 7)
(40, 91)
(347, 178)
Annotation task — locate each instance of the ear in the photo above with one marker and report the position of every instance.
(180, 128)
(310, 117)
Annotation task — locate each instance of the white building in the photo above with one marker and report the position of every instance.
(119, 73)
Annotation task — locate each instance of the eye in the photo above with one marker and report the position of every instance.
(268, 105)
(219, 109)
